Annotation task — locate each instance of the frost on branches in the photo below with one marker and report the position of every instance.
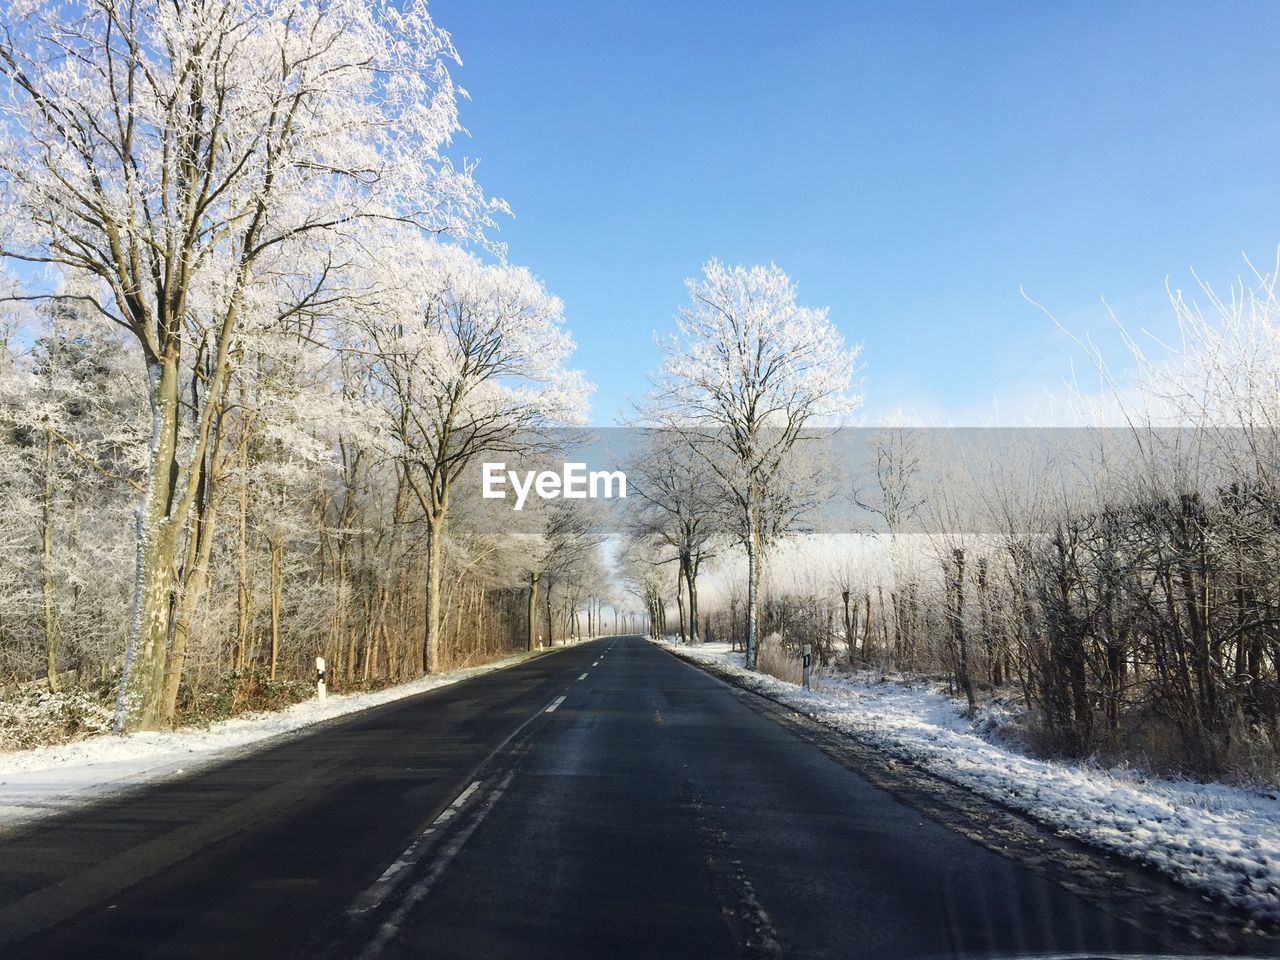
(747, 372)
(464, 357)
(204, 168)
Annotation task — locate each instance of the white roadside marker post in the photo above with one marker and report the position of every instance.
(808, 658)
(320, 691)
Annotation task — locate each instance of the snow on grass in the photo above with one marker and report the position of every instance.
(1222, 840)
(46, 780)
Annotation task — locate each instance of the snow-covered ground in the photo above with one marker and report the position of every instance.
(1221, 839)
(46, 780)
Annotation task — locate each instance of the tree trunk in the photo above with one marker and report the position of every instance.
(277, 550)
(680, 607)
(691, 581)
(242, 564)
(533, 611)
(962, 641)
(370, 637)
(753, 599)
(431, 625)
(890, 648)
(197, 575)
(850, 639)
(46, 569)
(139, 700)
(866, 626)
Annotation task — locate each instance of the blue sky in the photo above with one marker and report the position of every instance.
(911, 165)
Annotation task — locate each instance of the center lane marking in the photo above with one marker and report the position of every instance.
(415, 894)
(372, 898)
(374, 895)
(583, 677)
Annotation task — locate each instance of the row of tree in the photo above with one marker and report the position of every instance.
(257, 335)
(247, 356)
(1121, 575)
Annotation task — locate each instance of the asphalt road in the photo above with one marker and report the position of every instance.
(605, 800)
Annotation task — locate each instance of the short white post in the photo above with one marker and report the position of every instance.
(320, 691)
(808, 658)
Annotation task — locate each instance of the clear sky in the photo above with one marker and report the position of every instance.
(911, 165)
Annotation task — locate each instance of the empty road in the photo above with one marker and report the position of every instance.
(604, 800)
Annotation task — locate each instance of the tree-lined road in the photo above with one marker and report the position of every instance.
(605, 800)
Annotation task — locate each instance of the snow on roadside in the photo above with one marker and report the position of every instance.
(1220, 839)
(46, 780)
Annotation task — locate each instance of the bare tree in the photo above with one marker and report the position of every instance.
(197, 164)
(678, 509)
(747, 372)
(470, 359)
(896, 499)
(564, 532)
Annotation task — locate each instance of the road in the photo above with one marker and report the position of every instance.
(605, 800)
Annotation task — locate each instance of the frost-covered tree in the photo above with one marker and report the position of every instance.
(561, 533)
(642, 578)
(68, 428)
(895, 498)
(202, 163)
(747, 371)
(470, 358)
(675, 498)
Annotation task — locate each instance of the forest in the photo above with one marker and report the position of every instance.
(256, 325)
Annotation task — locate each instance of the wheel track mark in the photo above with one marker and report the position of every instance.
(749, 925)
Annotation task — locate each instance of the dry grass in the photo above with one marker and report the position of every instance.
(1151, 743)
(779, 662)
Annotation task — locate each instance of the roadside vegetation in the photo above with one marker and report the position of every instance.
(255, 328)
(1117, 581)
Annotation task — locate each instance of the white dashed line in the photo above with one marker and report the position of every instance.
(387, 931)
(555, 703)
(583, 677)
(373, 897)
(451, 810)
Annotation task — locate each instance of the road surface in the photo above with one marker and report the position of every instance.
(605, 800)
